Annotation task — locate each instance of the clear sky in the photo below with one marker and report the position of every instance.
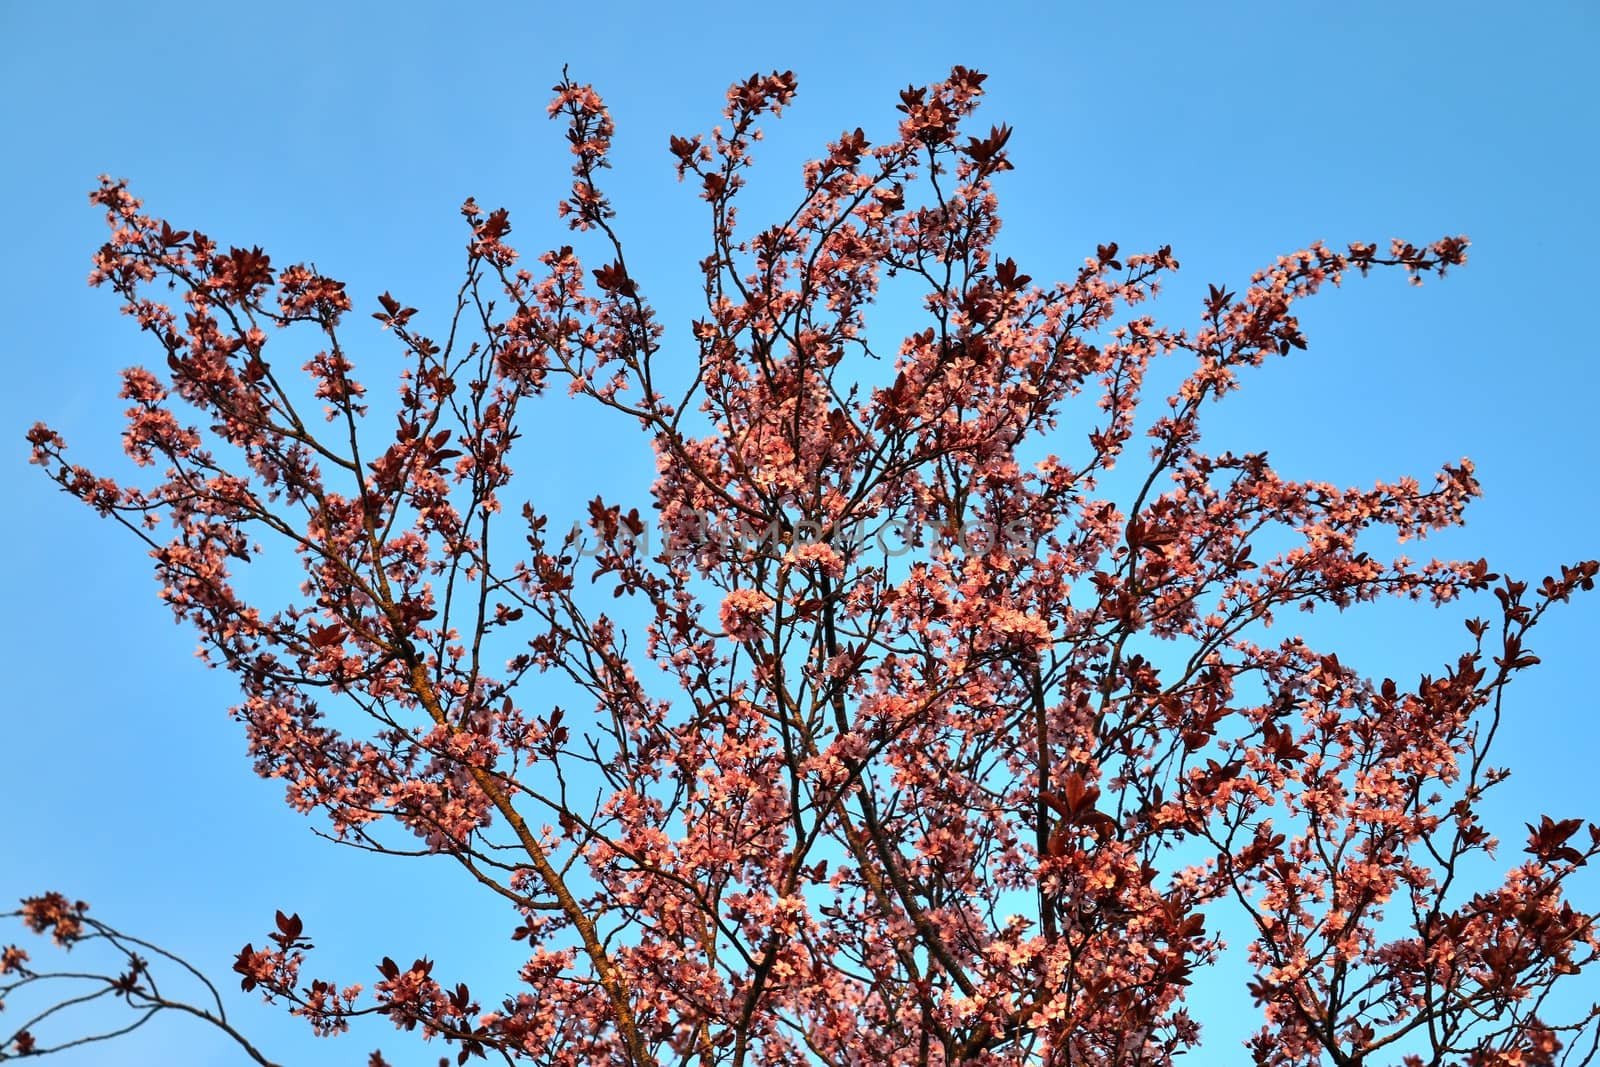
(348, 134)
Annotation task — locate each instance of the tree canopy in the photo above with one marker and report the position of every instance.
(940, 707)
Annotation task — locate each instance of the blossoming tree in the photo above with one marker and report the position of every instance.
(862, 787)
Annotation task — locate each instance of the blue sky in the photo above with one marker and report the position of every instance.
(349, 137)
